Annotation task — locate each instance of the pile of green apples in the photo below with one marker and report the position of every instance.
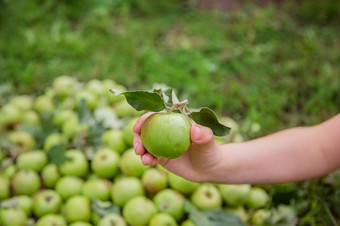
(66, 158)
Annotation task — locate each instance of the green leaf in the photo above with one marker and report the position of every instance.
(104, 208)
(219, 217)
(143, 100)
(206, 117)
(196, 216)
(57, 155)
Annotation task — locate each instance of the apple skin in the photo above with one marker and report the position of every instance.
(54, 139)
(258, 197)
(207, 197)
(90, 98)
(138, 211)
(10, 114)
(11, 217)
(22, 140)
(124, 110)
(50, 175)
(154, 180)
(34, 160)
(181, 184)
(30, 117)
(112, 219)
(75, 165)
(131, 164)
(105, 163)
(72, 127)
(22, 102)
(113, 139)
(187, 222)
(77, 208)
(25, 203)
(4, 187)
(69, 186)
(166, 135)
(80, 223)
(64, 86)
(25, 182)
(163, 219)
(234, 194)
(97, 189)
(51, 220)
(43, 104)
(126, 188)
(10, 171)
(46, 202)
(170, 201)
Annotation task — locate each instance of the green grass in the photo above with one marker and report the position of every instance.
(276, 66)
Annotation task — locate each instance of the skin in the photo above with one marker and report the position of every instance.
(290, 155)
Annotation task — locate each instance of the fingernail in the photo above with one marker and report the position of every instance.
(136, 145)
(197, 133)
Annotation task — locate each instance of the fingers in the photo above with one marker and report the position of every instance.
(202, 137)
(138, 126)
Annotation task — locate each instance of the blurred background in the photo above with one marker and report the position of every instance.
(271, 63)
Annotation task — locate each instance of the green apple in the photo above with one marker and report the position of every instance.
(10, 114)
(54, 139)
(80, 223)
(51, 220)
(64, 86)
(238, 211)
(138, 211)
(260, 217)
(170, 201)
(72, 127)
(166, 135)
(90, 98)
(235, 194)
(97, 189)
(96, 87)
(131, 164)
(23, 141)
(10, 171)
(11, 217)
(25, 203)
(112, 219)
(44, 103)
(30, 117)
(50, 175)
(4, 187)
(206, 197)
(105, 163)
(25, 182)
(258, 197)
(113, 139)
(46, 202)
(22, 102)
(34, 160)
(77, 208)
(123, 109)
(187, 222)
(128, 133)
(63, 115)
(126, 188)
(181, 184)
(154, 180)
(69, 186)
(163, 219)
(75, 165)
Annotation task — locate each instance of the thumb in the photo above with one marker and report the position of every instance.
(202, 138)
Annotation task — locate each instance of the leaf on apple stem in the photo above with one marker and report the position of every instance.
(57, 155)
(206, 117)
(142, 100)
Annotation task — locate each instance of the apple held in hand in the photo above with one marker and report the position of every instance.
(166, 135)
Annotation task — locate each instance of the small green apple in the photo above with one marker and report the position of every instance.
(25, 182)
(163, 219)
(10, 171)
(22, 140)
(238, 211)
(170, 201)
(260, 217)
(51, 220)
(90, 98)
(206, 197)
(10, 114)
(112, 219)
(138, 211)
(181, 184)
(75, 165)
(4, 187)
(81, 223)
(105, 163)
(11, 217)
(131, 164)
(154, 180)
(187, 222)
(46, 202)
(34, 160)
(258, 197)
(50, 175)
(25, 203)
(126, 188)
(54, 139)
(96, 87)
(69, 186)
(72, 127)
(128, 133)
(235, 194)
(113, 139)
(22, 102)
(43, 104)
(63, 115)
(30, 117)
(166, 135)
(64, 86)
(124, 110)
(77, 208)
(97, 189)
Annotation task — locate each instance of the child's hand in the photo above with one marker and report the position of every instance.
(197, 164)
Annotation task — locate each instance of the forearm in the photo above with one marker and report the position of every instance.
(291, 155)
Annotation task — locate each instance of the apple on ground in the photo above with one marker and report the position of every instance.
(64, 86)
(97, 189)
(235, 194)
(22, 102)
(258, 197)
(112, 219)
(124, 110)
(113, 139)
(46, 202)
(181, 184)
(25, 203)
(163, 219)
(128, 131)
(23, 141)
(81, 223)
(75, 165)
(34, 160)
(170, 201)
(72, 127)
(44, 104)
(187, 222)
(69, 186)
(54, 139)
(4, 187)
(25, 182)
(126, 188)
(10, 171)
(207, 197)
(154, 180)
(51, 220)
(50, 175)
(77, 208)
(90, 98)
(139, 210)
(11, 217)
(131, 164)
(105, 163)
(10, 114)
(30, 117)
(260, 217)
